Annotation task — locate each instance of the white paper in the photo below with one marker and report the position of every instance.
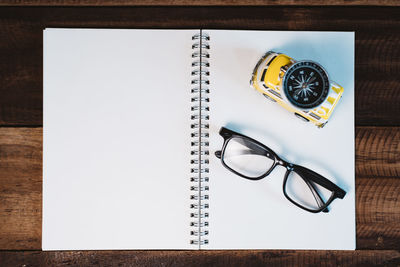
(248, 214)
(116, 139)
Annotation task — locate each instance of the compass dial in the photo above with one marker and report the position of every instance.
(306, 84)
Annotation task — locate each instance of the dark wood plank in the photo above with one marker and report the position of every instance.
(20, 188)
(377, 151)
(377, 188)
(377, 41)
(378, 213)
(198, 3)
(202, 258)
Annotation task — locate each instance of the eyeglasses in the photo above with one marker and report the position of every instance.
(252, 160)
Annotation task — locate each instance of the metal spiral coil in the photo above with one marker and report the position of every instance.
(202, 153)
(200, 215)
(197, 179)
(200, 125)
(196, 143)
(197, 242)
(200, 54)
(196, 224)
(197, 170)
(196, 161)
(203, 90)
(196, 197)
(204, 117)
(201, 36)
(196, 108)
(196, 134)
(202, 64)
(199, 140)
(201, 188)
(199, 233)
(198, 45)
(202, 82)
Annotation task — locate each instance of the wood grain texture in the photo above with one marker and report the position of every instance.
(377, 151)
(377, 41)
(202, 258)
(20, 188)
(377, 192)
(198, 3)
(378, 213)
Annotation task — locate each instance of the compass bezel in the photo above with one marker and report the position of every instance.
(325, 78)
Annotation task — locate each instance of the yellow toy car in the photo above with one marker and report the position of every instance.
(302, 87)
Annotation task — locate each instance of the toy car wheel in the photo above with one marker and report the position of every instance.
(269, 98)
(322, 125)
(301, 117)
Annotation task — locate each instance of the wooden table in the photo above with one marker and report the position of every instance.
(377, 27)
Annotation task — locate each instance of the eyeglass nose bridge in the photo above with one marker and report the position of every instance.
(284, 163)
(218, 154)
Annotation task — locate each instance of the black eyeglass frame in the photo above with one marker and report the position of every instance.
(337, 192)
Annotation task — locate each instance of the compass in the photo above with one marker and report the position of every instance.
(301, 87)
(305, 85)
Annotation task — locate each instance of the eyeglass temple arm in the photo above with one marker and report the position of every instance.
(252, 149)
(218, 153)
(258, 150)
(319, 179)
(226, 133)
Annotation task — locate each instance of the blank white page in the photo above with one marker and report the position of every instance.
(116, 139)
(248, 214)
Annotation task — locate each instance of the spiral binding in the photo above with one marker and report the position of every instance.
(199, 153)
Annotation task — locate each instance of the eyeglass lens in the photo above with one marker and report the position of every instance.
(305, 192)
(247, 158)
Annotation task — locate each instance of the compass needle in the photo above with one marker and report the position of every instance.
(309, 84)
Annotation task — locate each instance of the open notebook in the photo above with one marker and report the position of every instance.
(123, 131)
